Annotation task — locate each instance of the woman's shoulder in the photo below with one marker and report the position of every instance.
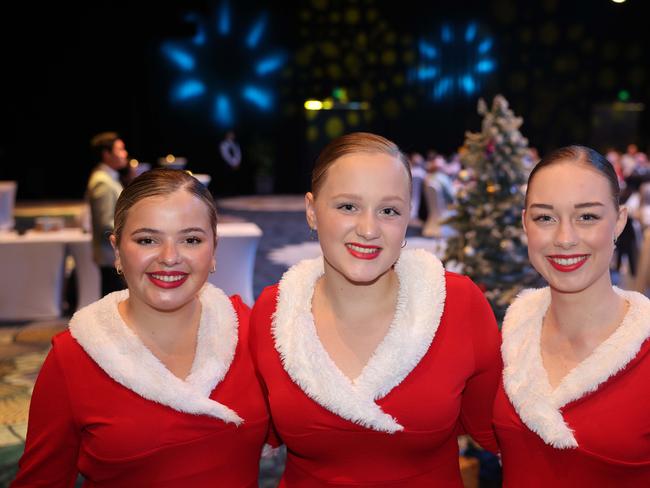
(268, 294)
(64, 342)
(463, 292)
(295, 286)
(69, 354)
(267, 300)
(527, 309)
(459, 282)
(238, 304)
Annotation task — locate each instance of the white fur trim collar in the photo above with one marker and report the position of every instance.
(102, 333)
(526, 381)
(420, 303)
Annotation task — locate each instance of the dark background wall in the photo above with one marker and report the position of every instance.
(69, 72)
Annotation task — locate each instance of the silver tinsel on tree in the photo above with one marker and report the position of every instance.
(489, 245)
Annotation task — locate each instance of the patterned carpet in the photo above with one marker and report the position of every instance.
(23, 347)
(22, 351)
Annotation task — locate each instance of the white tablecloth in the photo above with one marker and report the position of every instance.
(31, 284)
(236, 248)
(7, 203)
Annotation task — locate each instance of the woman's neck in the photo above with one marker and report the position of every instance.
(163, 328)
(352, 300)
(584, 314)
(576, 324)
(352, 319)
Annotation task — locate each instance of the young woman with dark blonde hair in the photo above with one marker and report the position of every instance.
(574, 405)
(152, 386)
(374, 358)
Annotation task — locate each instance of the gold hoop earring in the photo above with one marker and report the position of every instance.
(118, 270)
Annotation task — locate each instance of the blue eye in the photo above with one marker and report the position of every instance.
(589, 217)
(348, 207)
(542, 218)
(390, 212)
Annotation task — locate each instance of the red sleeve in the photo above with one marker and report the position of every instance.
(481, 387)
(245, 322)
(260, 319)
(53, 438)
(243, 311)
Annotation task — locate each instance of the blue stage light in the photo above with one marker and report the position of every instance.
(455, 62)
(442, 88)
(255, 34)
(428, 50)
(470, 32)
(447, 34)
(485, 66)
(468, 84)
(199, 37)
(203, 54)
(179, 57)
(259, 97)
(224, 19)
(223, 110)
(188, 89)
(270, 64)
(485, 45)
(427, 72)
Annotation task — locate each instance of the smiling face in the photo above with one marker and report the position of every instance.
(166, 250)
(361, 213)
(571, 223)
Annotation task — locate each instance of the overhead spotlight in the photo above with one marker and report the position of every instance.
(313, 105)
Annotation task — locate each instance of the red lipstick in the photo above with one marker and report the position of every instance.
(577, 261)
(363, 251)
(177, 278)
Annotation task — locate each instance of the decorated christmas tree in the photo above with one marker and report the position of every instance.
(489, 244)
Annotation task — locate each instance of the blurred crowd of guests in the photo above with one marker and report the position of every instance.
(437, 179)
(633, 170)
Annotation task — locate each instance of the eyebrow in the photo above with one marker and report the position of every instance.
(588, 204)
(148, 230)
(577, 205)
(352, 196)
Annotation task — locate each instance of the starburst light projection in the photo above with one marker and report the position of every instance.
(226, 67)
(454, 62)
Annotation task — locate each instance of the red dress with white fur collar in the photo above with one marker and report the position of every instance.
(105, 407)
(433, 376)
(593, 429)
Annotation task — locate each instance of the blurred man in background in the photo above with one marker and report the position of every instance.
(102, 191)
